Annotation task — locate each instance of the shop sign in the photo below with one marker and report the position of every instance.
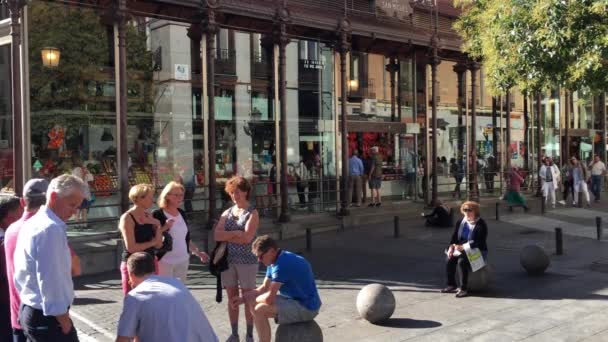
(395, 8)
(182, 72)
(313, 64)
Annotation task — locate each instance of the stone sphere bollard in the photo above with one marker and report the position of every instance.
(534, 259)
(375, 303)
(299, 332)
(480, 280)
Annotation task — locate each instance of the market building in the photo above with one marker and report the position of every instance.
(200, 91)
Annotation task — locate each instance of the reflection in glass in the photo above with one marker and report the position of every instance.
(6, 121)
(165, 127)
(72, 104)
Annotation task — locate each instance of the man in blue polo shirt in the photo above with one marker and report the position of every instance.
(289, 292)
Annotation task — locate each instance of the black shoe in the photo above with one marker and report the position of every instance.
(378, 204)
(371, 205)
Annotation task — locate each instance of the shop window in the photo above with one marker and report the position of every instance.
(165, 134)
(72, 102)
(6, 122)
(225, 58)
(4, 13)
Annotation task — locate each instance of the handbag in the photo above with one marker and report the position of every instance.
(219, 264)
(167, 244)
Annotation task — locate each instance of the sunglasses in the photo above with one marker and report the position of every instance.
(467, 210)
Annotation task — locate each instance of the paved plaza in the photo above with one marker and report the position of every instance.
(568, 303)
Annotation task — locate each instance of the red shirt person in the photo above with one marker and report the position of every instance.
(34, 196)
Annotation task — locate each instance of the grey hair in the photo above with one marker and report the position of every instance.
(64, 185)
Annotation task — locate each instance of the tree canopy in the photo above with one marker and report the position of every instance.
(538, 44)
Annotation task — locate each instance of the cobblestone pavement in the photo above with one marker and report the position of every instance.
(568, 303)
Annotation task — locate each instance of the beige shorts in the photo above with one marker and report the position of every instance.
(242, 275)
(291, 311)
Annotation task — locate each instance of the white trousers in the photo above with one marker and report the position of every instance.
(179, 271)
(549, 191)
(581, 186)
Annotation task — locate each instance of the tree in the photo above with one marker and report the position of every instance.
(538, 44)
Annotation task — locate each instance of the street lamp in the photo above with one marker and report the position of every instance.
(50, 57)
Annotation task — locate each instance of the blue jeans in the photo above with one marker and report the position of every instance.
(596, 186)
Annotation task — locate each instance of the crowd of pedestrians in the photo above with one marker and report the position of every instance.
(37, 265)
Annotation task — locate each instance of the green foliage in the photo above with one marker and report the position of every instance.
(84, 81)
(538, 44)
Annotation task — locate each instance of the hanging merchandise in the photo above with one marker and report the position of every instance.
(57, 137)
(107, 135)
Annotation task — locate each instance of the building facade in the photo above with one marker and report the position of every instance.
(149, 92)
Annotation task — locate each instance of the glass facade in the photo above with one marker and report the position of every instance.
(72, 99)
(6, 121)
(245, 114)
(310, 124)
(164, 114)
(72, 104)
(4, 13)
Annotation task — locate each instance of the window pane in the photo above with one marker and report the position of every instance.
(72, 101)
(165, 123)
(6, 121)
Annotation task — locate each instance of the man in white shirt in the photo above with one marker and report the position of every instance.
(160, 309)
(43, 264)
(598, 170)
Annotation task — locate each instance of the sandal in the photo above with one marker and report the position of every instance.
(462, 293)
(449, 289)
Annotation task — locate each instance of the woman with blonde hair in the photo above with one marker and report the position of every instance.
(175, 262)
(238, 226)
(140, 231)
(471, 229)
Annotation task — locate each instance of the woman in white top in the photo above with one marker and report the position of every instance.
(83, 173)
(175, 262)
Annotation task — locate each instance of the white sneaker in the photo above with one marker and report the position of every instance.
(553, 205)
(562, 202)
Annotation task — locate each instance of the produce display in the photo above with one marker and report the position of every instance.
(104, 183)
(140, 176)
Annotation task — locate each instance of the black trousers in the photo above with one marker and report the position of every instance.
(301, 188)
(461, 262)
(19, 336)
(568, 188)
(40, 328)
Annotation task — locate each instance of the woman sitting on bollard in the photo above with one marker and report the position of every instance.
(440, 217)
(472, 229)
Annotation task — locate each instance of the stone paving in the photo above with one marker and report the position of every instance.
(568, 303)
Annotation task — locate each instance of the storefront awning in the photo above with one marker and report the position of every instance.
(378, 127)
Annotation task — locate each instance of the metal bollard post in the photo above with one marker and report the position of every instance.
(497, 211)
(308, 239)
(542, 205)
(559, 242)
(598, 225)
(396, 227)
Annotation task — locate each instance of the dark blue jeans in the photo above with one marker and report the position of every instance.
(40, 328)
(596, 186)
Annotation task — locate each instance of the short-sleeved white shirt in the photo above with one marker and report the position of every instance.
(598, 168)
(162, 309)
